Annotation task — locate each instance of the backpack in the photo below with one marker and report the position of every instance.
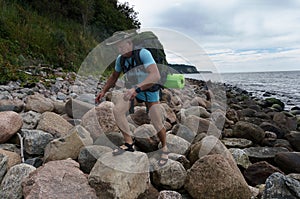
(149, 41)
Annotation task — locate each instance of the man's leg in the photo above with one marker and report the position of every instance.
(156, 115)
(120, 109)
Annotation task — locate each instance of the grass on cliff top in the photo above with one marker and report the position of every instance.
(28, 38)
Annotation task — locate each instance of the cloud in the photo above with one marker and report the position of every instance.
(257, 60)
(260, 18)
(237, 35)
(195, 18)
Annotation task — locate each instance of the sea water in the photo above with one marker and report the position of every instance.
(284, 85)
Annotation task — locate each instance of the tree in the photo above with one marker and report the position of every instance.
(87, 12)
(130, 14)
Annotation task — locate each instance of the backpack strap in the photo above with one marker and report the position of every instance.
(139, 62)
(136, 61)
(135, 57)
(122, 63)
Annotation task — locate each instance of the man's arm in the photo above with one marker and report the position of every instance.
(151, 68)
(109, 84)
(152, 78)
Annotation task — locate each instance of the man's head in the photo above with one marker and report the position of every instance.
(123, 42)
(125, 47)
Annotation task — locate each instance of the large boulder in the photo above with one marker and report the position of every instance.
(184, 132)
(68, 146)
(199, 101)
(100, 120)
(213, 177)
(266, 126)
(232, 115)
(207, 146)
(112, 140)
(139, 117)
(285, 122)
(13, 158)
(169, 113)
(294, 139)
(269, 102)
(125, 176)
(35, 141)
(273, 142)
(257, 154)
(58, 179)
(146, 138)
(38, 103)
(248, 131)
(59, 107)
(76, 108)
(87, 97)
(54, 124)
(30, 119)
(247, 112)
(89, 155)
(171, 176)
(197, 111)
(241, 158)
(281, 186)
(237, 142)
(289, 162)
(10, 123)
(16, 105)
(257, 173)
(201, 125)
(11, 186)
(177, 144)
(218, 117)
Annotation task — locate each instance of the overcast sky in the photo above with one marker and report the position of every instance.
(237, 35)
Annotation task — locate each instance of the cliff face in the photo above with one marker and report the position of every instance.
(182, 68)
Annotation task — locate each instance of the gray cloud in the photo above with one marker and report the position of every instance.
(233, 31)
(249, 21)
(194, 18)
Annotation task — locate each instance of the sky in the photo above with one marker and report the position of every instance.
(236, 35)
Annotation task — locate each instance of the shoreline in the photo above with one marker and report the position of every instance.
(221, 116)
(258, 88)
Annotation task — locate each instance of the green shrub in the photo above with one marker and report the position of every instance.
(54, 32)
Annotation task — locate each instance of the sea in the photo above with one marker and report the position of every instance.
(283, 85)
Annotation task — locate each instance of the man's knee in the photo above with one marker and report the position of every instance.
(120, 109)
(117, 110)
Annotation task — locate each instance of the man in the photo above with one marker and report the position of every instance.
(138, 92)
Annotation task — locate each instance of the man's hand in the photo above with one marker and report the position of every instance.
(99, 97)
(110, 83)
(129, 94)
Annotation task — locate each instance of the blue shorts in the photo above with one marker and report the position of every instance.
(147, 96)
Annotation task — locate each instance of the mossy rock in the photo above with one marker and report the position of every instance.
(277, 107)
(269, 102)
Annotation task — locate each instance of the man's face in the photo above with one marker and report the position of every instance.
(125, 47)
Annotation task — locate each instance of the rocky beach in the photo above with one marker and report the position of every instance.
(223, 142)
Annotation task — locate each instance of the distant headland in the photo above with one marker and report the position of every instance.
(186, 69)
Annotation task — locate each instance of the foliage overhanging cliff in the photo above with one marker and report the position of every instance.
(57, 33)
